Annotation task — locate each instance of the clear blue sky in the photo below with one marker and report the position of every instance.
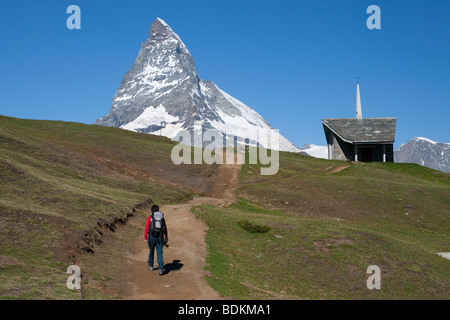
(293, 61)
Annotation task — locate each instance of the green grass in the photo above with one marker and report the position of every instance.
(62, 184)
(252, 227)
(325, 229)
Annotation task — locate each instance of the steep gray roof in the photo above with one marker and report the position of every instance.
(372, 130)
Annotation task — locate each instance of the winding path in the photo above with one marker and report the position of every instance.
(185, 277)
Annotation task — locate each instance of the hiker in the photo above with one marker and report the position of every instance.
(156, 236)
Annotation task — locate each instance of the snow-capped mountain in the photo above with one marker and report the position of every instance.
(315, 151)
(162, 94)
(425, 152)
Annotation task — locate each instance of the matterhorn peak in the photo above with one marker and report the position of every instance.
(163, 94)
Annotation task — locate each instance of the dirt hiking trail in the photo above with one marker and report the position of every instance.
(184, 277)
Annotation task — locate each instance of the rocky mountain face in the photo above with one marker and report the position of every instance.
(425, 152)
(162, 94)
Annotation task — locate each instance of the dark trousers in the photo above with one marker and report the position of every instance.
(153, 243)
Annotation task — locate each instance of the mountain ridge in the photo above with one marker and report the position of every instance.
(425, 152)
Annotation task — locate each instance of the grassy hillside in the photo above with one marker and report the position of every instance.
(309, 232)
(312, 230)
(63, 184)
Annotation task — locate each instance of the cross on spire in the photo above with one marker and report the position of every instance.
(357, 79)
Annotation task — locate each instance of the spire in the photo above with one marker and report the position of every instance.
(358, 101)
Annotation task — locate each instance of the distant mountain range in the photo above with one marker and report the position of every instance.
(423, 151)
(163, 94)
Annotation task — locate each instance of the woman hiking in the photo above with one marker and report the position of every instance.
(156, 236)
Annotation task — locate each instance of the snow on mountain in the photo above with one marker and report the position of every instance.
(315, 151)
(162, 94)
(425, 152)
(416, 139)
(155, 117)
